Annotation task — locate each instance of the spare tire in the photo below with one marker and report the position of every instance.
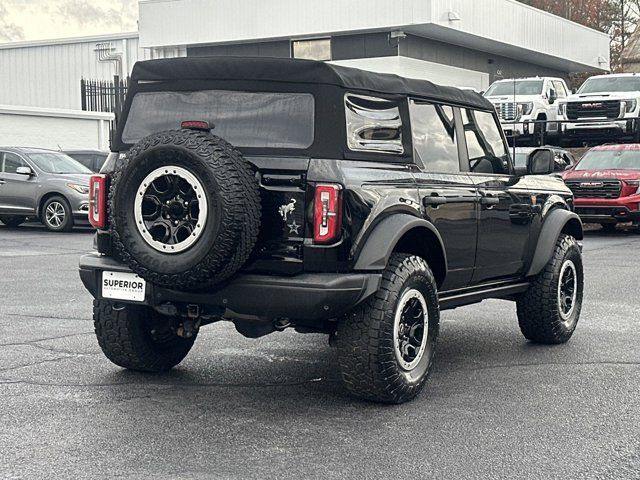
(184, 209)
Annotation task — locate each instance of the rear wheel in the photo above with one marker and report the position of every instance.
(138, 338)
(12, 221)
(549, 310)
(57, 215)
(386, 346)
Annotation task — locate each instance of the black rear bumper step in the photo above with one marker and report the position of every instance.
(309, 296)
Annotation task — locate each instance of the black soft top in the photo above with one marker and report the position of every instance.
(299, 71)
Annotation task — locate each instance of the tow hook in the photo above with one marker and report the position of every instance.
(190, 325)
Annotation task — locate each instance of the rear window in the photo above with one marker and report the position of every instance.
(245, 119)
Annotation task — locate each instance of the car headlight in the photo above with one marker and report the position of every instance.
(562, 109)
(526, 107)
(84, 189)
(630, 105)
(635, 183)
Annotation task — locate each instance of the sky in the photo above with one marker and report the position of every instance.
(44, 19)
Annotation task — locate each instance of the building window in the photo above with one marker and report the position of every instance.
(316, 49)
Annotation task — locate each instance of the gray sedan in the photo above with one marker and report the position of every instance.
(45, 184)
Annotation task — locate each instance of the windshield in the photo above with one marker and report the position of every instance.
(610, 160)
(521, 87)
(244, 119)
(52, 162)
(610, 84)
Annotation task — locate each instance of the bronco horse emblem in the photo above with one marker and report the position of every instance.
(287, 209)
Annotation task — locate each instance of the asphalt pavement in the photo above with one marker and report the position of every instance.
(495, 407)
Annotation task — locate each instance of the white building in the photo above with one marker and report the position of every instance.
(467, 43)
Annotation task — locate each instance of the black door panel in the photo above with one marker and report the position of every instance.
(503, 229)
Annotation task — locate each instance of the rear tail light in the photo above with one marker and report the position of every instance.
(327, 217)
(98, 201)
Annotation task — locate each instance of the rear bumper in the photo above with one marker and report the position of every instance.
(308, 297)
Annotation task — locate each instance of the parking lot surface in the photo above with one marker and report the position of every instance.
(495, 406)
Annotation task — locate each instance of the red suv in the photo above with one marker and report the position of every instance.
(606, 185)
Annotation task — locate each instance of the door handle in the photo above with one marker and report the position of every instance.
(434, 200)
(2, 182)
(488, 200)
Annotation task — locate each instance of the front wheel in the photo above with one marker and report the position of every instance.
(137, 337)
(386, 345)
(57, 215)
(12, 221)
(549, 310)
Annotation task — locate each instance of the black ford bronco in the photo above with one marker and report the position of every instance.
(281, 194)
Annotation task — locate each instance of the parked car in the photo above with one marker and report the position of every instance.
(564, 159)
(45, 184)
(522, 101)
(326, 199)
(92, 159)
(605, 108)
(606, 185)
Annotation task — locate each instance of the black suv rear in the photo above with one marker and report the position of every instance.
(285, 193)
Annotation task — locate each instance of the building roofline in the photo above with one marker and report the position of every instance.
(68, 40)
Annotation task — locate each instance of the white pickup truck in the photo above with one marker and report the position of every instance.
(604, 108)
(520, 102)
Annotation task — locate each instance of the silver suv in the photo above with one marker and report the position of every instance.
(45, 184)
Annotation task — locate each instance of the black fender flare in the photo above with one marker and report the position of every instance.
(382, 240)
(556, 222)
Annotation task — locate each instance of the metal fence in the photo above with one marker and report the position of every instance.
(104, 96)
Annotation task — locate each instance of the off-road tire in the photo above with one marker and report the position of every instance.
(125, 336)
(367, 361)
(67, 224)
(234, 210)
(539, 309)
(12, 221)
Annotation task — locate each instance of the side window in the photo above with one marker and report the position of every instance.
(560, 90)
(12, 162)
(485, 145)
(434, 137)
(373, 125)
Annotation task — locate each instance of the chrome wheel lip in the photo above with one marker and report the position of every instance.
(55, 214)
(570, 271)
(409, 295)
(200, 224)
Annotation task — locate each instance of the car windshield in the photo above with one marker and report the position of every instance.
(52, 162)
(520, 87)
(610, 84)
(610, 160)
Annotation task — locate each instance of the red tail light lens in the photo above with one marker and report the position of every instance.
(98, 201)
(327, 218)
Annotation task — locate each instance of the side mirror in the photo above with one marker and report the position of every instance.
(541, 162)
(553, 96)
(24, 171)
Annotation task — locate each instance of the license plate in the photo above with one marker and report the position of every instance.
(123, 286)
